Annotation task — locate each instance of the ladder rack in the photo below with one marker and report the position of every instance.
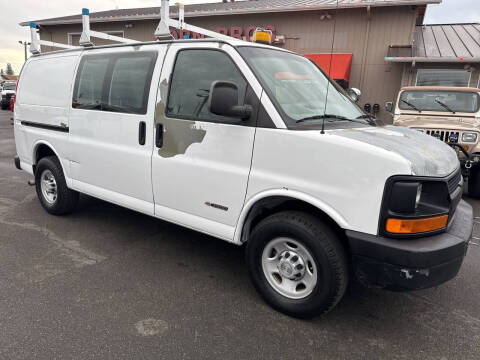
(87, 33)
(162, 31)
(35, 43)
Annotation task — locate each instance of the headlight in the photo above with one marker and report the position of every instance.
(469, 137)
(414, 206)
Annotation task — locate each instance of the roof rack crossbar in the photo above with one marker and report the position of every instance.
(35, 42)
(163, 29)
(87, 33)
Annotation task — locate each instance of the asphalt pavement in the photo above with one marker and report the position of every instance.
(108, 283)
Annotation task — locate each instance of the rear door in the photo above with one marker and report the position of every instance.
(111, 125)
(200, 169)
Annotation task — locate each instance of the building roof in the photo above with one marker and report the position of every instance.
(440, 43)
(8, 77)
(228, 8)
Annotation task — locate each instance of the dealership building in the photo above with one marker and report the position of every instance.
(377, 46)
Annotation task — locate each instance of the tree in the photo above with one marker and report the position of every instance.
(9, 69)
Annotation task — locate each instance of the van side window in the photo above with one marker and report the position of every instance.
(195, 71)
(89, 85)
(118, 82)
(130, 84)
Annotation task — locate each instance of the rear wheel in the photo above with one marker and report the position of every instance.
(52, 191)
(297, 264)
(474, 182)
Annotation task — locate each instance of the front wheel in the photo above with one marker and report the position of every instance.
(297, 264)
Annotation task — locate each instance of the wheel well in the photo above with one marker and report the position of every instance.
(271, 205)
(41, 152)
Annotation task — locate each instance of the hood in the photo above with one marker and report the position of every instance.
(427, 156)
(8, 92)
(438, 122)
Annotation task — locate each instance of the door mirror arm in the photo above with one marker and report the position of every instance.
(242, 111)
(223, 101)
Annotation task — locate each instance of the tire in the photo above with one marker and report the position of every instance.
(324, 251)
(474, 182)
(48, 169)
(4, 107)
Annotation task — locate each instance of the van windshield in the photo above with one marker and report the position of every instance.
(443, 101)
(10, 86)
(299, 88)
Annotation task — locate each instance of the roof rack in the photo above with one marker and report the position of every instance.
(161, 33)
(163, 29)
(36, 42)
(87, 33)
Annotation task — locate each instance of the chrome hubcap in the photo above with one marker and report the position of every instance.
(48, 185)
(289, 268)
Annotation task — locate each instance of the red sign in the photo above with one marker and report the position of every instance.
(337, 66)
(234, 31)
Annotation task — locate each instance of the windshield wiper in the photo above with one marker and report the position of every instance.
(369, 119)
(328, 116)
(411, 105)
(323, 116)
(445, 106)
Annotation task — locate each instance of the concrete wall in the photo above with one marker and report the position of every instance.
(364, 34)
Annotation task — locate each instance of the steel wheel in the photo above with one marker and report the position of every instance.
(48, 185)
(289, 268)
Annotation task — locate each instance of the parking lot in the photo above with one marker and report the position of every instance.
(109, 283)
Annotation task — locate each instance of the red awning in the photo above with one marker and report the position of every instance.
(341, 64)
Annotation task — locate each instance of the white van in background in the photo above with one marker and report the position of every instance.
(240, 141)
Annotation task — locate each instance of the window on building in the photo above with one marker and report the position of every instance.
(114, 82)
(193, 75)
(434, 77)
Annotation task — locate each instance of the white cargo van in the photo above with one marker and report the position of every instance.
(251, 144)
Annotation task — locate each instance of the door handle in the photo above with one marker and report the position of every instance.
(142, 128)
(159, 136)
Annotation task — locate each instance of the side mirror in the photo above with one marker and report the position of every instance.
(389, 106)
(354, 94)
(223, 100)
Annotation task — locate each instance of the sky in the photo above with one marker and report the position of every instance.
(14, 12)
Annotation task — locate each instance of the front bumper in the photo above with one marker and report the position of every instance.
(412, 264)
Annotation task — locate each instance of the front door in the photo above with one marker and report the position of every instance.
(111, 126)
(201, 164)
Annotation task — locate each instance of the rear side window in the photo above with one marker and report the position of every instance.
(114, 82)
(46, 81)
(129, 83)
(88, 93)
(195, 71)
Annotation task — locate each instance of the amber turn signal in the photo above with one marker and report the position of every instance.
(416, 226)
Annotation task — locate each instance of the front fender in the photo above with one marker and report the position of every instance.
(293, 194)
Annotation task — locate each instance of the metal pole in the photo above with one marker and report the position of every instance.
(25, 49)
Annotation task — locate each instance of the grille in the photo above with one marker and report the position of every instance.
(442, 134)
(454, 181)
